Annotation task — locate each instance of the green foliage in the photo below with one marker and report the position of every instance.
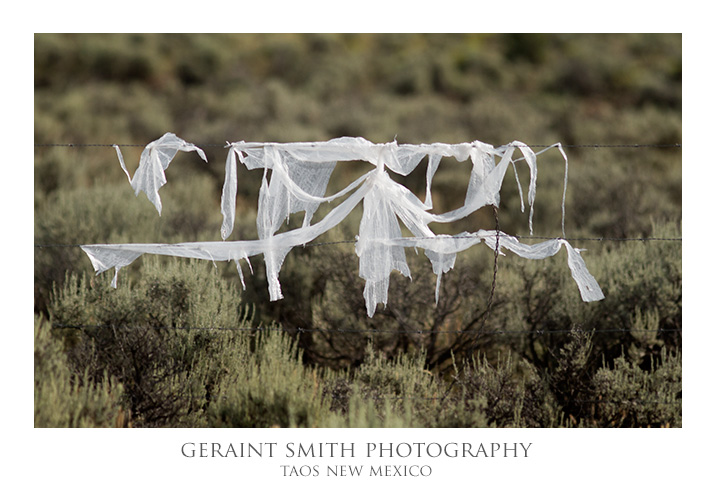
(629, 396)
(151, 334)
(508, 393)
(268, 387)
(63, 399)
(176, 372)
(169, 293)
(111, 214)
(639, 280)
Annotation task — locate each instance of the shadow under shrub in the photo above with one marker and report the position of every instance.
(326, 304)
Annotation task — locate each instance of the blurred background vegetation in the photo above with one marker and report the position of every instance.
(179, 344)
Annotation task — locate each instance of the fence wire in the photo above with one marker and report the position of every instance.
(482, 331)
(224, 145)
(518, 237)
(259, 329)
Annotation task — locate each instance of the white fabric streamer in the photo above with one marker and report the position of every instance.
(154, 160)
(228, 196)
(299, 175)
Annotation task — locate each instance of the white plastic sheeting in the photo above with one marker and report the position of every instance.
(155, 159)
(299, 175)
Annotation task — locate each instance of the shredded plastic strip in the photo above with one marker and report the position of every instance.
(155, 159)
(295, 178)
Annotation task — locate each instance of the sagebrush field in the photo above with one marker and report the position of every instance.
(180, 344)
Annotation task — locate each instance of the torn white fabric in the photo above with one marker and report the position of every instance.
(587, 284)
(379, 223)
(295, 179)
(531, 159)
(121, 162)
(104, 257)
(228, 196)
(155, 159)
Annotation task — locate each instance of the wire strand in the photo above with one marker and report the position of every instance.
(223, 145)
(260, 329)
(441, 399)
(520, 237)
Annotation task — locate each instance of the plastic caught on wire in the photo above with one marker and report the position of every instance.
(154, 160)
(299, 175)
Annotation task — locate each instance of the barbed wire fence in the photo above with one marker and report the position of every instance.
(223, 145)
(257, 329)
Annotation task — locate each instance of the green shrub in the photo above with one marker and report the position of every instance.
(628, 396)
(539, 297)
(268, 386)
(152, 333)
(64, 399)
(111, 214)
(506, 393)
